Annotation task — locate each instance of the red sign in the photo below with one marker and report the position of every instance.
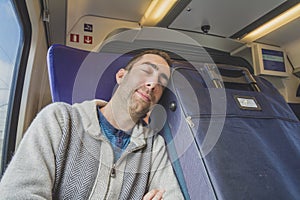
(87, 39)
(74, 37)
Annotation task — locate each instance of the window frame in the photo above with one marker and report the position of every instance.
(11, 125)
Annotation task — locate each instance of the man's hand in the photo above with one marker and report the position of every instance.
(155, 194)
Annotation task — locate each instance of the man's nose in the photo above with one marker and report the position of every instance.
(151, 85)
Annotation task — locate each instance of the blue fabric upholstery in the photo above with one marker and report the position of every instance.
(78, 75)
(257, 154)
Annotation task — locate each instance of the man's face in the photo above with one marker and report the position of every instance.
(143, 85)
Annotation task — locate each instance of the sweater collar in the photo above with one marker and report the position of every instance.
(89, 116)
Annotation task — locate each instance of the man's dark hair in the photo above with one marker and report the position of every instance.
(160, 53)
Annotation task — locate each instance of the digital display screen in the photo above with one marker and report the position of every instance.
(273, 60)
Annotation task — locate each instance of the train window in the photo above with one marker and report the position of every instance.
(11, 47)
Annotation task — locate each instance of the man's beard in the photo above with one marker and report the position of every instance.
(138, 109)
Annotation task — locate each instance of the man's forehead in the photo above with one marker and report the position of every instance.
(151, 55)
(153, 58)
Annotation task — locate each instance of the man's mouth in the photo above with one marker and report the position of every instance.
(143, 96)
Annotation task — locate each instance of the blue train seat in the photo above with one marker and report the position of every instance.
(237, 139)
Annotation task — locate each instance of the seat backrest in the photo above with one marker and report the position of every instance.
(250, 150)
(77, 75)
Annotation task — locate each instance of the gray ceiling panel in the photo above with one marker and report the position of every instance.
(224, 17)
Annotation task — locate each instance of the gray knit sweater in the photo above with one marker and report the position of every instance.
(64, 155)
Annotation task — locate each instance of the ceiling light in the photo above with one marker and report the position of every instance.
(156, 12)
(273, 24)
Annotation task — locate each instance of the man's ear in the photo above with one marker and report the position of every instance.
(120, 75)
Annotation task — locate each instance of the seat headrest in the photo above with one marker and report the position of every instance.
(77, 75)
